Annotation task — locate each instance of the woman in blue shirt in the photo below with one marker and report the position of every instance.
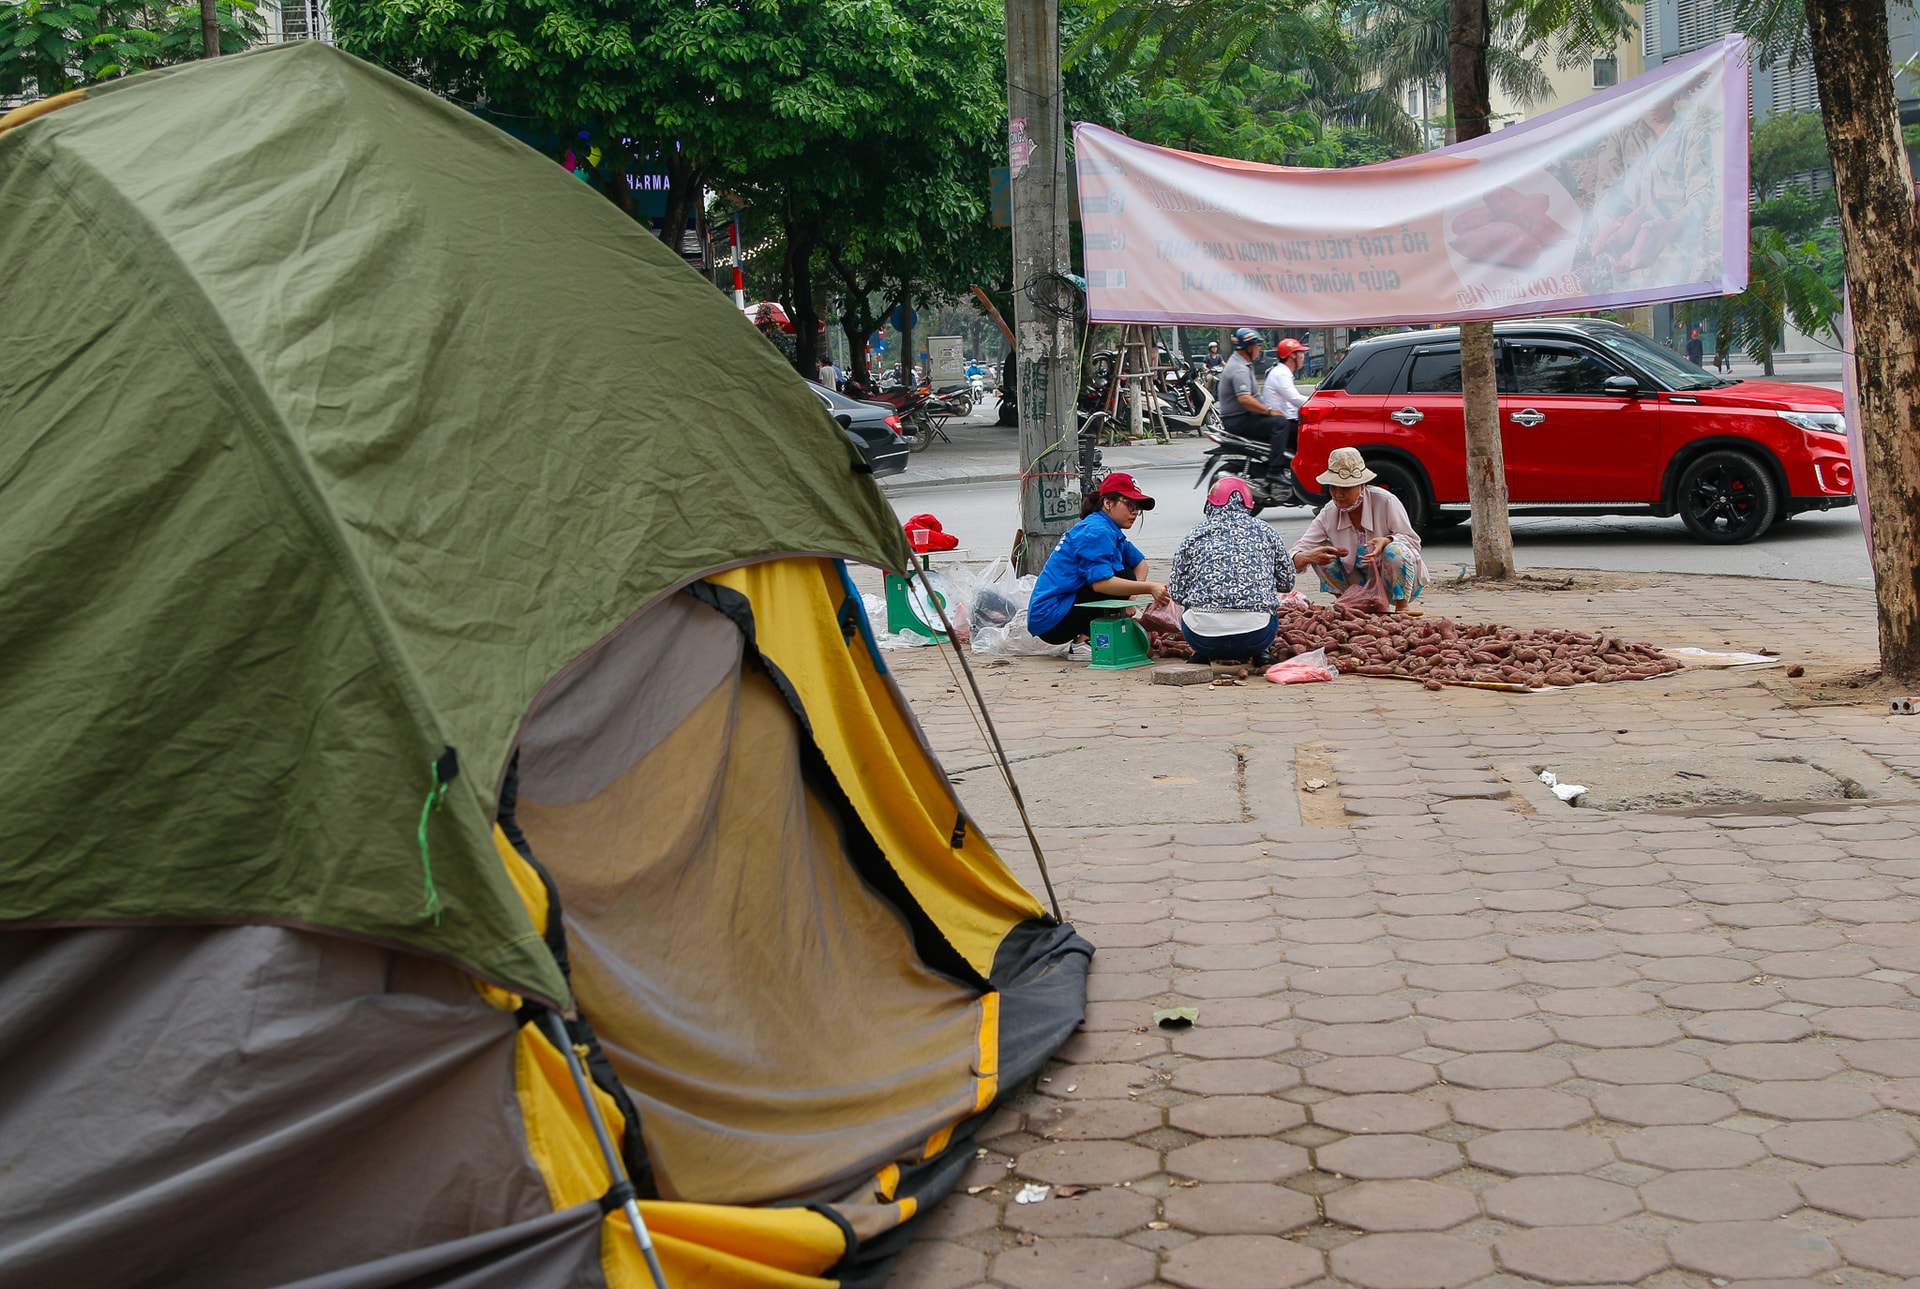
(1094, 561)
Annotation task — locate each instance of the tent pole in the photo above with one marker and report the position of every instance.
(557, 1032)
(993, 735)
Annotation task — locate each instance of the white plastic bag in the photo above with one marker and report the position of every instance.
(1015, 641)
(998, 595)
(1303, 669)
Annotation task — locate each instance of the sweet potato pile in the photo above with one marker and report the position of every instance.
(1168, 644)
(1439, 651)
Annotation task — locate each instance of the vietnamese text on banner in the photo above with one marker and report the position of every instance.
(1637, 195)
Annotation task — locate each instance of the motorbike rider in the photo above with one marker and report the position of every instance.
(1284, 397)
(1213, 360)
(1243, 412)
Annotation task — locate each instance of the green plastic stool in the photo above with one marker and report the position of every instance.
(1119, 643)
(903, 614)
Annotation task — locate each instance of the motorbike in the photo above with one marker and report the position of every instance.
(1189, 402)
(957, 400)
(916, 408)
(1247, 459)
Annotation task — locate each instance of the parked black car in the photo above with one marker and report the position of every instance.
(872, 426)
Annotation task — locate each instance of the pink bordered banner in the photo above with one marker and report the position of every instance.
(1636, 195)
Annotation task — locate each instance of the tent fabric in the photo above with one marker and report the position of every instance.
(838, 1052)
(246, 1106)
(388, 631)
(299, 419)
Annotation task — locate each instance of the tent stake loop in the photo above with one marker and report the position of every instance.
(622, 1185)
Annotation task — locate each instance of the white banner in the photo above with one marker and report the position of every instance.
(1635, 195)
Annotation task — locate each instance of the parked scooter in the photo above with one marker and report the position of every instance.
(1247, 458)
(1189, 402)
(915, 407)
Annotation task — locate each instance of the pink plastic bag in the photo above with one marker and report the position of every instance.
(1164, 617)
(1303, 669)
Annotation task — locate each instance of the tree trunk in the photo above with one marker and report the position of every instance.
(906, 337)
(804, 309)
(209, 29)
(685, 183)
(1469, 31)
(1874, 184)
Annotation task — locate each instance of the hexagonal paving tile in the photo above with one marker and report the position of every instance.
(1237, 1116)
(1089, 1163)
(1363, 1040)
(1093, 1120)
(1690, 1147)
(1868, 1022)
(937, 1264)
(1804, 1100)
(1235, 1077)
(1507, 1070)
(1889, 1246)
(1864, 1191)
(1720, 1195)
(1529, 1152)
(1237, 1159)
(1380, 1112)
(1897, 1058)
(1648, 1105)
(1768, 1062)
(1402, 1206)
(1521, 1108)
(1840, 1142)
(1747, 1027)
(1390, 1155)
(1110, 1211)
(1490, 1035)
(1238, 1208)
(1644, 1065)
(1560, 1201)
(1580, 1255)
(1369, 1074)
(1751, 1250)
(1233, 1041)
(1074, 1264)
(1410, 1261)
(1242, 1262)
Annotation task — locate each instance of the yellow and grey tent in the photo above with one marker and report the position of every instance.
(397, 652)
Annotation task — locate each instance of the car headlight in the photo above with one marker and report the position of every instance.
(1819, 422)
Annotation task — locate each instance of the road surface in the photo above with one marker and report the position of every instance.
(1814, 547)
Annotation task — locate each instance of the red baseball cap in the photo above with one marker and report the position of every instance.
(1118, 484)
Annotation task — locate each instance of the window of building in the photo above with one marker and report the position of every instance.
(1606, 72)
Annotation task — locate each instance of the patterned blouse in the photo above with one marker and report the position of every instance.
(1231, 561)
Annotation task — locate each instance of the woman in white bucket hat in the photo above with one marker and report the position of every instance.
(1362, 536)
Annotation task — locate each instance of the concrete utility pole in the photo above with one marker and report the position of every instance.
(1043, 301)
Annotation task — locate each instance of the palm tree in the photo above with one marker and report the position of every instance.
(1403, 44)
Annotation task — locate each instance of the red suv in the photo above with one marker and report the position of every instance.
(1594, 419)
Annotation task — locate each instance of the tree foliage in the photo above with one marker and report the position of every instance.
(1783, 146)
(50, 46)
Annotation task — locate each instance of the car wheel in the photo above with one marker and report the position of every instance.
(1727, 498)
(1404, 484)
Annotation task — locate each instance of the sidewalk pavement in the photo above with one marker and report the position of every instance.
(1453, 1031)
(983, 452)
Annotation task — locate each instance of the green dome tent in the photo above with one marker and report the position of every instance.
(394, 649)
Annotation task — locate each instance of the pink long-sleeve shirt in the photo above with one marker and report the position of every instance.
(1381, 519)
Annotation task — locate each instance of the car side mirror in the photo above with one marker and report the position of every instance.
(1625, 386)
